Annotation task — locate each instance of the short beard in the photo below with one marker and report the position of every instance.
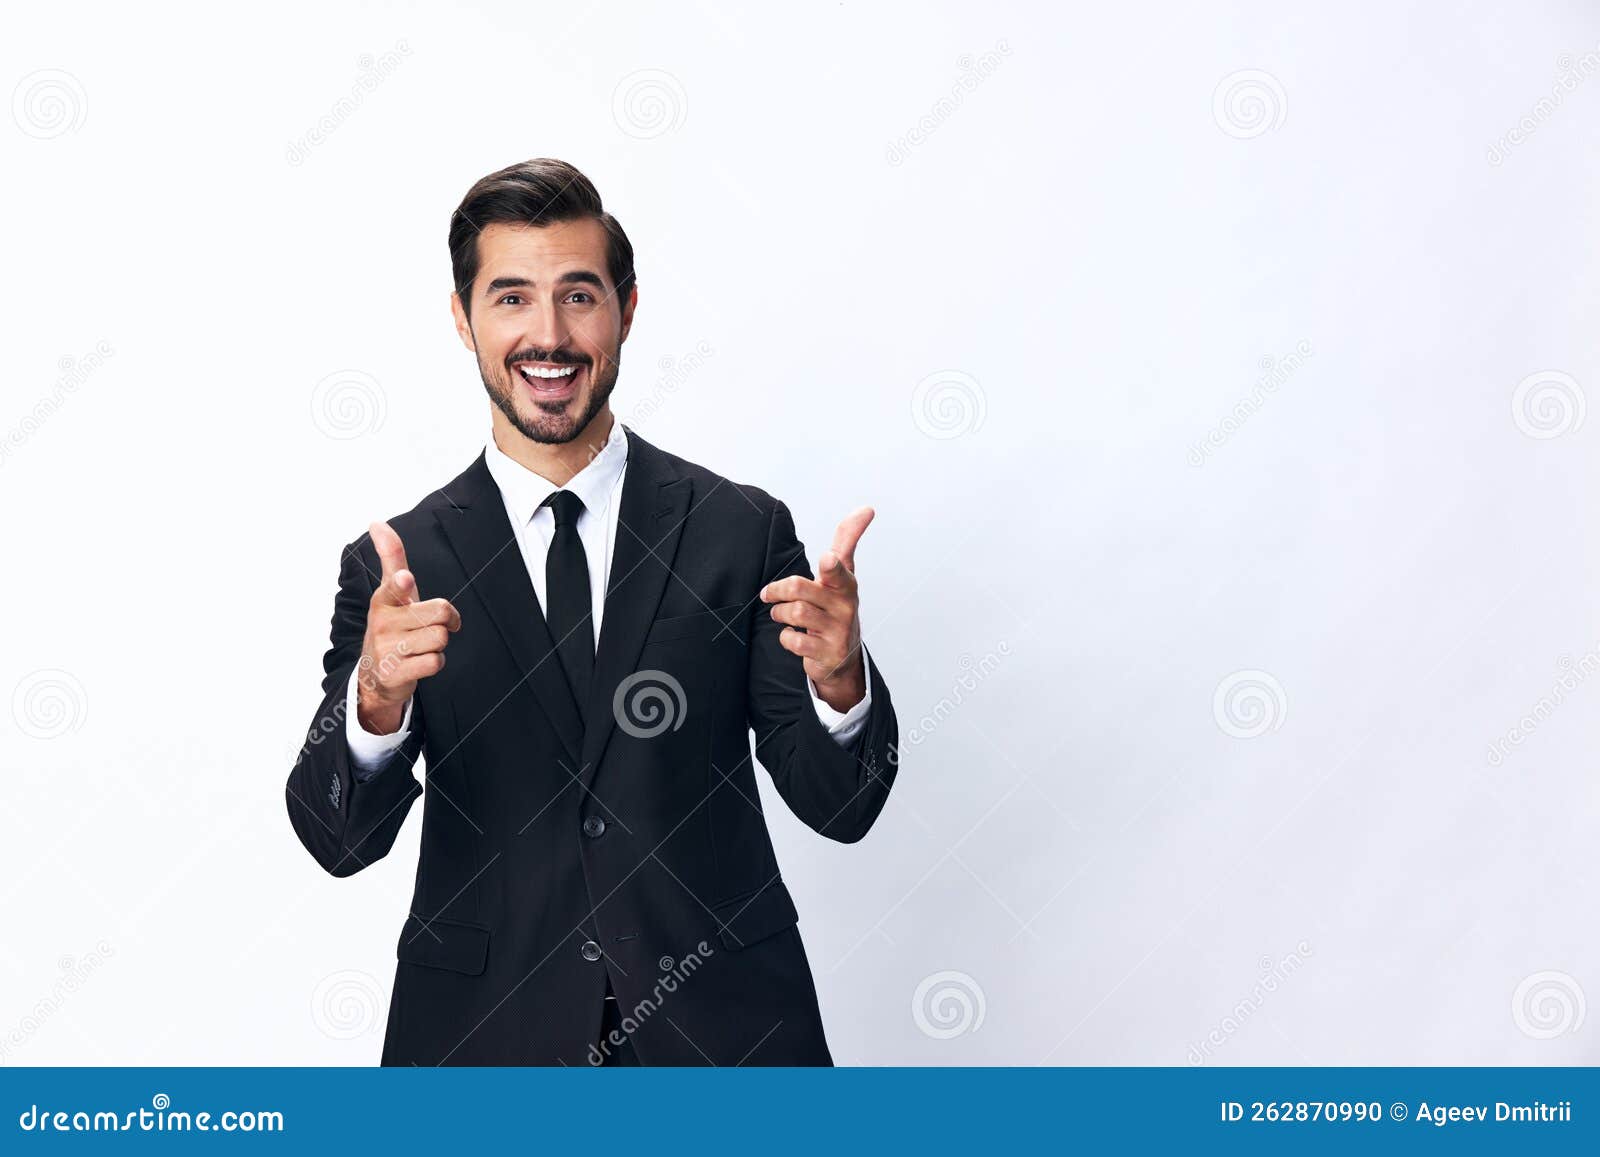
(554, 428)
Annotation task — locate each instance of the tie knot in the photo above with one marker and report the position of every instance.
(566, 506)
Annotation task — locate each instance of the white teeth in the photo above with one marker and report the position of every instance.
(540, 372)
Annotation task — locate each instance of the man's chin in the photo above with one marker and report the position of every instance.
(552, 423)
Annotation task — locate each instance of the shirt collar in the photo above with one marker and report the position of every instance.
(524, 490)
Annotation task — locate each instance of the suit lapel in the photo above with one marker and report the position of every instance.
(655, 503)
(475, 523)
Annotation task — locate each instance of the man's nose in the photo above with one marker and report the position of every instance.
(546, 331)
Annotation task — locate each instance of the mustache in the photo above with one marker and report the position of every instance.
(553, 357)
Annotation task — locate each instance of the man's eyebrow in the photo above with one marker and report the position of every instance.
(572, 277)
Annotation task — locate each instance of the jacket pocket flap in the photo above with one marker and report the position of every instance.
(451, 944)
(746, 919)
(719, 623)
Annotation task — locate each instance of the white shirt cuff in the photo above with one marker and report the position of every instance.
(844, 726)
(370, 752)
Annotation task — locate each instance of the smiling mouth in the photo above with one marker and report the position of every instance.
(548, 378)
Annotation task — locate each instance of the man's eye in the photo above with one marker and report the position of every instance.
(581, 294)
(509, 296)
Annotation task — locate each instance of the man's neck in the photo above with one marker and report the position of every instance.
(554, 462)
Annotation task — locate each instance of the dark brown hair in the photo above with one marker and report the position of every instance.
(537, 192)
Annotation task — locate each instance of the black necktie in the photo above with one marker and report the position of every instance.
(569, 612)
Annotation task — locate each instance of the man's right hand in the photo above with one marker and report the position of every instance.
(405, 638)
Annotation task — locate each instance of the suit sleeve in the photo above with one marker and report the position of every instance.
(836, 790)
(343, 822)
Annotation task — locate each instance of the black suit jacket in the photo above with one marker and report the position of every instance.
(565, 842)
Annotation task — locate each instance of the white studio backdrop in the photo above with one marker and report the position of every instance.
(1220, 378)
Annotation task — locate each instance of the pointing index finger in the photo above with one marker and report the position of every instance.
(849, 534)
(399, 586)
(836, 568)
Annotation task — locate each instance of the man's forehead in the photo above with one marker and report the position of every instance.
(560, 242)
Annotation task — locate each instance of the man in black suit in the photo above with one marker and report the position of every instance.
(596, 883)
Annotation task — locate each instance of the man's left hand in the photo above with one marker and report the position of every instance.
(828, 608)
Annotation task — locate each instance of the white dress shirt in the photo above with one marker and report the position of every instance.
(599, 485)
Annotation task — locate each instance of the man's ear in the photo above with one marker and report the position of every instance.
(627, 311)
(463, 326)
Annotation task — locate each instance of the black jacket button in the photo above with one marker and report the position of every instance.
(590, 950)
(594, 826)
